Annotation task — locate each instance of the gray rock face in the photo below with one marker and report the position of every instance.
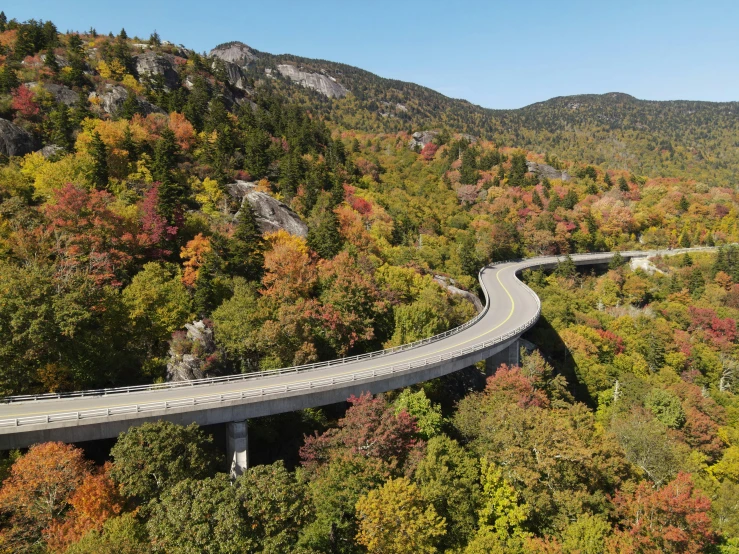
(326, 85)
(236, 77)
(449, 283)
(272, 215)
(419, 139)
(234, 52)
(14, 140)
(187, 355)
(114, 96)
(544, 170)
(62, 94)
(151, 64)
(50, 150)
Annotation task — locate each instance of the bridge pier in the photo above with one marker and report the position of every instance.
(237, 447)
(508, 356)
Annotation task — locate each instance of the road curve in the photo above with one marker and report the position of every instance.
(510, 309)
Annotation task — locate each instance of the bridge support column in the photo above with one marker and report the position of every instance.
(237, 438)
(508, 356)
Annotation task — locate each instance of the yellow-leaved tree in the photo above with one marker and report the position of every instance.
(396, 519)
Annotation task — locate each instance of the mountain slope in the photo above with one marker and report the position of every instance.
(664, 138)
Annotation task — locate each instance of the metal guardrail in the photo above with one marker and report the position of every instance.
(317, 383)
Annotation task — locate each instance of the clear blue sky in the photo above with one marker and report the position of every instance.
(496, 54)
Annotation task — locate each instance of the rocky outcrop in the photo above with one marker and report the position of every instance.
(544, 170)
(325, 84)
(14, 140)
(62, 94)
(50, 150)
(113, 97)
(272, 215)
(191, 353)
(449, 284)
(236, 77)
(152, 64)
(419, 139)
(234, 52)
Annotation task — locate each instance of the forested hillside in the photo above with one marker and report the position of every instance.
(170, 215)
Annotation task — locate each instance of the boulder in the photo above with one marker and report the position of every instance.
(189, 354)
(419, 139)
(325, 84)
(272, 215)
(62, 94)
(544, 170)
(449, 284)
(14, 140)
(151, 64)
(234, 52)
(50, 150)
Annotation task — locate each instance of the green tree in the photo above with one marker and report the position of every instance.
(666, 407)
(123, 35)
(99, 153)
(323, 229)
(200, 516)
(274, 506)
(50, 62)
(236, 324)
(566, 267)
(246, 247)
(8, 79)
(501, 513)
(62, 127)
(427, 415)
(623, 184)
(256, 152)
(157, 302)
(152, 458)
(616, 261)
(450, 479)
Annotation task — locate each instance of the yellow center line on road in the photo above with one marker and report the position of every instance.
(510, 314)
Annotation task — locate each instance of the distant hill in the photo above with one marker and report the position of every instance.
(665, 138)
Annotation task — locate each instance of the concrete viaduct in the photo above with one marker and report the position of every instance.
(510, 309)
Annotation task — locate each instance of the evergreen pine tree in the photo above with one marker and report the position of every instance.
(323, 229)
(166, 150)
(204, 298)
(607, 179)
(99, 153)
(566, 267)
(687, 261)
(81, 108)
(623, 184)
(536, 199)
(617, 261)
(256, 157)
(61, 127)
(246, 248)
(130, 106)
(696, 283)
(129, 145)
(720, 263)
(683, 204)
(8, 79)
(3, 22)
(468, 171)
(50, 62)
(123, 35)
(154, 39)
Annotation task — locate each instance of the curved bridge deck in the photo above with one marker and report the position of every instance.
(511, 308)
